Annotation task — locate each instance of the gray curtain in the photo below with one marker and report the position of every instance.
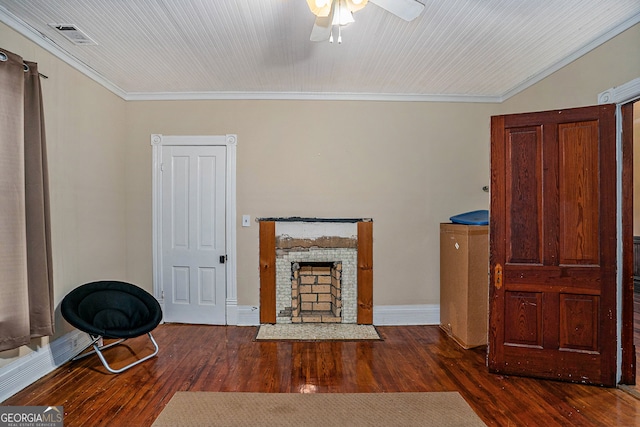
(26, 279)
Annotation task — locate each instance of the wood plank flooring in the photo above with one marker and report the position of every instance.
(226, 358)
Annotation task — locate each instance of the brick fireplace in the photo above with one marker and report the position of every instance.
(316, 270)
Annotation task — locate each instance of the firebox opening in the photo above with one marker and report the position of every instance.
(316, 292)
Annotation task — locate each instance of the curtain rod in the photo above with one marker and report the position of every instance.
(4, 57)
(26, 68)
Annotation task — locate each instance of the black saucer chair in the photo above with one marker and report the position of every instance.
(112, 309)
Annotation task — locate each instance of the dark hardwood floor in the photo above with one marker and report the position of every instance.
(226, 358)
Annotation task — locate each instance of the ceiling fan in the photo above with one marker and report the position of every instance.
(330, 13)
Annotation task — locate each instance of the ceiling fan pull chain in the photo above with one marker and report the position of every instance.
(331, 36)
(339, 34)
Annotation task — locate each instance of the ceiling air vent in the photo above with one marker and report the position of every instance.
(75, 35)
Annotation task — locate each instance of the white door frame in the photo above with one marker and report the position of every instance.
(230, 142)
(620, 95)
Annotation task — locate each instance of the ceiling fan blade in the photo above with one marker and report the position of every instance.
(405, 9)
(321, 30)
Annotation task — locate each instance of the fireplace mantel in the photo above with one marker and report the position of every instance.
(363, 228)
(311, 219)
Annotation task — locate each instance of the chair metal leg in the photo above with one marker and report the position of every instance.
(96, 341)
(97, 349)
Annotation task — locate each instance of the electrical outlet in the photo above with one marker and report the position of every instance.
(73, 344)
(246, 220)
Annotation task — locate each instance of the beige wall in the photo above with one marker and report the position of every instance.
(86, 148)
(409, 166)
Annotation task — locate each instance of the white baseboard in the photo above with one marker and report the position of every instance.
(383, 315)
(232, 312)
(404, 315)
(26, 370)
(248, 315)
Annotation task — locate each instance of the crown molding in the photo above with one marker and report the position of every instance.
(627, 92)
(309, 96)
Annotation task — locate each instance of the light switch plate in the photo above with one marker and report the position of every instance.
(246, 220)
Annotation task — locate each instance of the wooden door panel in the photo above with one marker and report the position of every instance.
(553, 245)
(524, 189)
(552, 364)
(579, 322)
(560, 278)
(579, 192)
(523, 310)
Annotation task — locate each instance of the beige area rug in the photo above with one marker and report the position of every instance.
(446, 409)
(317, 332)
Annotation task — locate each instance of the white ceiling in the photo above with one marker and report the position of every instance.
(457, 50)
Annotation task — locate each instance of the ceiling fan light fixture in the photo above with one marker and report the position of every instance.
(356, 5)
(342, 15)
(338, 13)
(322, 8)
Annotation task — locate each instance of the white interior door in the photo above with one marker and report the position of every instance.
(193, 234)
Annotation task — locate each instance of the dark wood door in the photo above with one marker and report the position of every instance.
(553, 245)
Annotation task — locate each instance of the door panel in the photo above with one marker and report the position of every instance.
(553, 245)
(523, 311)
(578, 322)
(193, 233)
(524, 190)
(578, 147)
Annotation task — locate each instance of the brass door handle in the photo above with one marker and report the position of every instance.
(497, 276)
